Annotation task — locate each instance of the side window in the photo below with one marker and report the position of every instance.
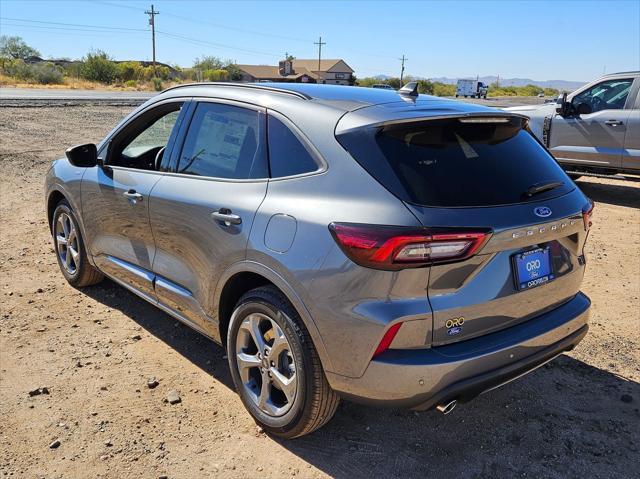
(607, 95)
(224, 141)
(287, 155)
(142, 144)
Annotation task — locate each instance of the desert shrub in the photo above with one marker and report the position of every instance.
(129, 71)
(443, 89)
(97, 66)
(131, 83)
(16, 69)
(44, 73)
(157, 83)
(216, 75)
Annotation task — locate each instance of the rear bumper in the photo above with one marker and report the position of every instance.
(424, 378)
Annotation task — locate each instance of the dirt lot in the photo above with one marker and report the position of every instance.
(94, 350)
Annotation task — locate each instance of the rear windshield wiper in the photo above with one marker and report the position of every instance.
(541, 187)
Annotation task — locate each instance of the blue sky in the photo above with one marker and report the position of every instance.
(542, 40)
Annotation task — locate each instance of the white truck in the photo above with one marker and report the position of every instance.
(471, 88)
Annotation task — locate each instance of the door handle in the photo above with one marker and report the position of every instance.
(224, 215)
(613, 122)
(132, 195)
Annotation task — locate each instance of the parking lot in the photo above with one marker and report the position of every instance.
(95, 350)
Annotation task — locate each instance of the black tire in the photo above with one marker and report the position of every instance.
(84, 274)
(315, 402)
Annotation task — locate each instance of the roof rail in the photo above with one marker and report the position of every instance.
(244, 85)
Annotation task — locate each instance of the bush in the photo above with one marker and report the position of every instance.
(127, 71)
(43, 73)
(97, 66)
(216, 75)
(131, 83)
(157, 83)
(46, 73)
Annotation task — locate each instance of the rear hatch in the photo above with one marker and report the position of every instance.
(482, 171)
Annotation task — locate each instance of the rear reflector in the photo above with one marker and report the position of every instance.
(387, 339)
(587, 215)
(396, 247)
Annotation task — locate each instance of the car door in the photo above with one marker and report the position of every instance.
(595, 138)
(201, 213)
(115, 196)
(631, 154)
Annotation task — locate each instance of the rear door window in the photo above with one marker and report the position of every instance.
(453, 163)
(224, 141)
(287, 155)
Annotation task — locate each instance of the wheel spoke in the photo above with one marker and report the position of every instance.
(72, 235)
(285, 384)
(247, 361)
(279, 343)
(65, 225)
(75, 256)
(263, 399)
(67, 260)
(256, 334)
(61, 240)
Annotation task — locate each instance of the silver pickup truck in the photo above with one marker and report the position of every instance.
(595, 129)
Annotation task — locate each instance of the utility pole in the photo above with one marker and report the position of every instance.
(152, 21)
(403, 59)
(319, 43)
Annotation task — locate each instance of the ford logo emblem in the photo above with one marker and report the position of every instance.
(542, 211)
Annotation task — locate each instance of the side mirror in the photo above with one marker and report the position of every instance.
(583, 109)
(562, 106)
(83, 156)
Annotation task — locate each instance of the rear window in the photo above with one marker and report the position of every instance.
(451, 163)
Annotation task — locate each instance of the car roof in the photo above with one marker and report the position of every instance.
(341, 97)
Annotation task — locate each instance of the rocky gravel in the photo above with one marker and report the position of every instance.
(113, 366)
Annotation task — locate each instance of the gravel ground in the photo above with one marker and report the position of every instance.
(75, 367)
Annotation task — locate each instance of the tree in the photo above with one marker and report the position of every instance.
(208, 63)
(16, 48)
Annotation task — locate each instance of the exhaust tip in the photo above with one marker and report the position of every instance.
(448, 407)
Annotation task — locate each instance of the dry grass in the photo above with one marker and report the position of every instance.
(70, 83)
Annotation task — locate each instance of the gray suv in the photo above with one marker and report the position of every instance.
(385, 247)
(595, 129)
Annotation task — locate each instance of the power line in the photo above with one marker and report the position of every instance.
(196, 41)
(217, 25)
(73, 27)
(102, 27)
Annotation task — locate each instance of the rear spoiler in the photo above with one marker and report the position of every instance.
(346, 124)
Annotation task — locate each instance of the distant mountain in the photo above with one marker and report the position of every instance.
(557, 84)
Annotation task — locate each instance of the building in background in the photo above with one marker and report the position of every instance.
(334, 72)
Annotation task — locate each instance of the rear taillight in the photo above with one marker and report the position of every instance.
(395, 247)
(587, 215)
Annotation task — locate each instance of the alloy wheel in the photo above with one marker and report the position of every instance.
(67, 243)
(266, 364)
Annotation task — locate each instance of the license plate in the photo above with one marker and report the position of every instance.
(532, 268)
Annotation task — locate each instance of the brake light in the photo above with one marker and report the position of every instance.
(395, 247)
(387, 339)
(587, 215)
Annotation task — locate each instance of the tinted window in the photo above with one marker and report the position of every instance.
(608, 95)
(287, 155)
(449, 163)
(224, 142)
